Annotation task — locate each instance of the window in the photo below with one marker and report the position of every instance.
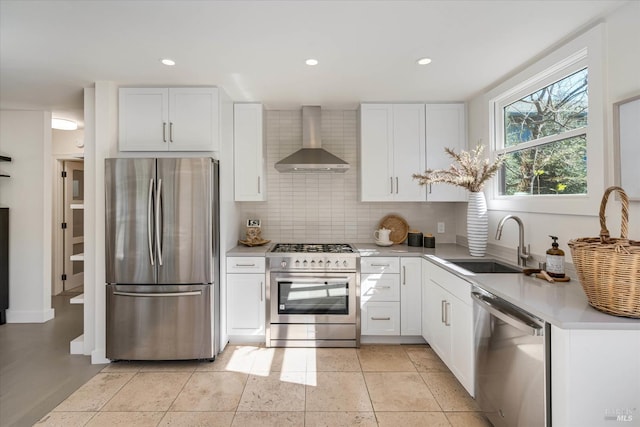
(549, 121)
(544, 139)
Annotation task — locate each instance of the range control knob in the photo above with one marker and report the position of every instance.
(304, 263)
(320, 263)
(313, 263)
(345, 263)
(337, 263)
(297, 263)
(283, 264)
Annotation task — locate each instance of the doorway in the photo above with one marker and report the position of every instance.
(68, 258)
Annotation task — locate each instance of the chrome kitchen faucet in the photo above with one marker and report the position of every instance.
(524, 253)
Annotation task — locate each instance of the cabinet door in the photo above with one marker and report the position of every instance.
(380, 318)
(411, 296)
(460, 319)
(245, 304)
(426, 326)
(445, 128)
(376, 153)
(408, 152)
(438, 332)
(249, 163)
(193, 119)
(143, 116)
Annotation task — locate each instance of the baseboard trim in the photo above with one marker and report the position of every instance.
(31, 316)
(384, 339)
(98, 357)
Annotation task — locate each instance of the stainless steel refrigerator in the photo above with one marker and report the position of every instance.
(162, 263)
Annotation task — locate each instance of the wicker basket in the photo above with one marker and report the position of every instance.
(609, 268)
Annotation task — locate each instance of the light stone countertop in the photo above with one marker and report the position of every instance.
(564, 305)
(242, 250)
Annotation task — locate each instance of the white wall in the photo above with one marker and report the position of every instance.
(65, 142)
(622, 52)
(324, 208)
(25, 136)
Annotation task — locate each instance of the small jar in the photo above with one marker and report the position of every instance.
(429, 241)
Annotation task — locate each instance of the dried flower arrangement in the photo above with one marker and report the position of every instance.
(471, 171)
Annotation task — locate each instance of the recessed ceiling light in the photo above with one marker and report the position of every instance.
(424, 61)
(64, 124)
(167, 61)
(311, 61)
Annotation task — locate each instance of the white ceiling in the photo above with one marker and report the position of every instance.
(255, 50)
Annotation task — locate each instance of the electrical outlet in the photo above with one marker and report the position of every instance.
(441, 227)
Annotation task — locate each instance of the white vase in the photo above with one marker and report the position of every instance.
(477, 224)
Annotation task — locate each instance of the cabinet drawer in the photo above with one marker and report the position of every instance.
(245, 264)
(380, 318)
(451, 283)
(380, 265)
(379, 287)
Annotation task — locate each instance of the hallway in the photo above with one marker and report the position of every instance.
(36, 370)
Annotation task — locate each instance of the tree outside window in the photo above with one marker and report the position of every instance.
(544, 140)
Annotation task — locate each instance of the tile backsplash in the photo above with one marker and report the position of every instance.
(324, 208)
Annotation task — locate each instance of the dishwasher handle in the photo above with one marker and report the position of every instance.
(509, 315)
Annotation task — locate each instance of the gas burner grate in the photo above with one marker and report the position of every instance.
(336, 248)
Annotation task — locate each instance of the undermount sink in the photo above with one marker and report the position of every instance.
(485, 266)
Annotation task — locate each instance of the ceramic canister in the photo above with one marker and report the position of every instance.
(415, 238)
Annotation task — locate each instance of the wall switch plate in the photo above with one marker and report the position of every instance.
(441, 227)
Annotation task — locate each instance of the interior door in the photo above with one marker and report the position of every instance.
(73, 234)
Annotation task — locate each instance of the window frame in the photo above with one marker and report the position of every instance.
(585, 51)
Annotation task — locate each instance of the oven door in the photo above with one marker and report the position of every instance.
(313, 298)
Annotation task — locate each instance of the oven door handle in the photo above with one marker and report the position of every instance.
(311, 280)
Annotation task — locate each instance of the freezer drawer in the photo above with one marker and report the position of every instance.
(169, 322)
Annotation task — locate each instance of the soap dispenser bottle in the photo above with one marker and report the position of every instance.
(555, 260)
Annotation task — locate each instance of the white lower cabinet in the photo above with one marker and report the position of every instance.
(380, 318)
(245, 296)
(447, 321)
(410, 296)
(595, 377)
(390, 299)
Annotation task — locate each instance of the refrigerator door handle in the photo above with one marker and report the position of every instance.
(158, 220)
(150, 221)
(158, 294)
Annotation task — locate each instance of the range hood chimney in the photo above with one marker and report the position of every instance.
(311, 157)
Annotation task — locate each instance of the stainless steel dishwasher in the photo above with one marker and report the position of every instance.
(512, 363)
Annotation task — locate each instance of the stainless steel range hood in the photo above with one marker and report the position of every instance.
(311, 157)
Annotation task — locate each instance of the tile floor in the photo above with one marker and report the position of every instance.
(247, 385)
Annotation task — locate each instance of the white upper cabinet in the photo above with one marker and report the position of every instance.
(445, 127)
(249, 153)
(169, 119)
(392, 149)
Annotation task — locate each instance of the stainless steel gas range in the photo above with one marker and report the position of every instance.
(313, 296)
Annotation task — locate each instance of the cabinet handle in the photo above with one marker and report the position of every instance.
(170, 131)
(261, 292)
(245, 265)
(381, 287)
(397, 185)
(404, 275)
(391, 181)
(381, 318)
(259, 185)
(443, 309)
(446, 316)
(380, 265)
(164, 131)
(429, 188)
